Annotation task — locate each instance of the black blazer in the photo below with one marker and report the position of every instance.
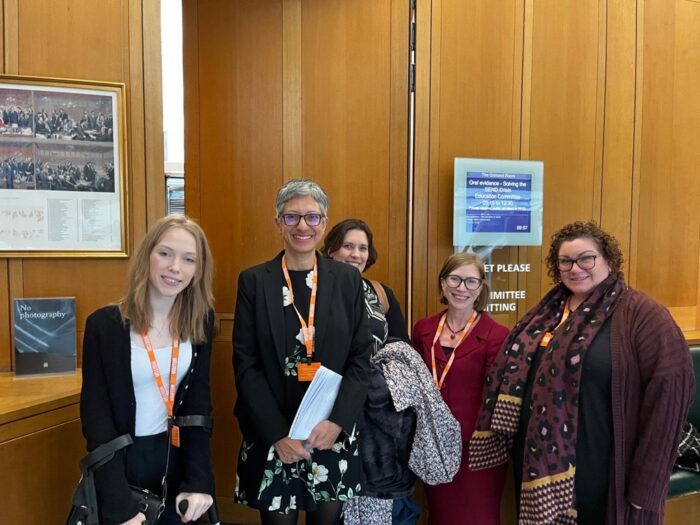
(108, 410)
(343, 344)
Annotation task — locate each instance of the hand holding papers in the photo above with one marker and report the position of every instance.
(317, 403)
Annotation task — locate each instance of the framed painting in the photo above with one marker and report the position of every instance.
(62, 168)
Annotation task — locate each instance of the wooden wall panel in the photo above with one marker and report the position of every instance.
(310, 88)
(347, 120)
(41, 463)
(668, 222)
(618, 150)
(474, 111)
(74, 41)
(564, 114)
(91, 32)
(233, 158)
(100, 41)
(314, 86)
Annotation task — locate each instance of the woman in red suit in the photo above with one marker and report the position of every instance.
(458, 345)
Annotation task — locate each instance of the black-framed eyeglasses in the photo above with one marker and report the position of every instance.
(585, 262)
(471, 283)
(311, 219)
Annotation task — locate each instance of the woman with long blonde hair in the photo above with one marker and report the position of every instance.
(146, 374)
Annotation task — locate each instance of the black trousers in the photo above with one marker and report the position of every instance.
(145, 466)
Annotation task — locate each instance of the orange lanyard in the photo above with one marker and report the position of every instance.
(548, 335)
(472, 321)
(169, 396)
(306, 330)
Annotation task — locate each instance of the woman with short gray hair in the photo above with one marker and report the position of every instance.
(295, 313)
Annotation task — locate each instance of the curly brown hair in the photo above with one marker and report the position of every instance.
(606, 243)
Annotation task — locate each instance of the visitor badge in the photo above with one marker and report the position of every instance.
(546, 339)
(307, 371)
(175, 436)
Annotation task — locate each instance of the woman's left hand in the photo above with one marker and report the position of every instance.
(323, 435)
(197, 504)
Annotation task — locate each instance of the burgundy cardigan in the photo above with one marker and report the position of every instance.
(653, 386)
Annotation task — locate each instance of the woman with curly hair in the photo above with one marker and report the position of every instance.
(590, 393)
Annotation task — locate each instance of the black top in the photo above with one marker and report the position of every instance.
(594, 433)
(295, 349)
(108, 410)
(394, 318)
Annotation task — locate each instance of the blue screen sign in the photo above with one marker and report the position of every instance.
(498, 202)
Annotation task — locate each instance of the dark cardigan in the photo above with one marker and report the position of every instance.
(652, 387)
(108, 410)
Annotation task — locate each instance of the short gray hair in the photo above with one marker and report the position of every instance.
(301, 188)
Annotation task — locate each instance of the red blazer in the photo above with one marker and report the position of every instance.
(463, 387)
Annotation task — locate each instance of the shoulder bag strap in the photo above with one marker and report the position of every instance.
(104, 453)
(381, 295)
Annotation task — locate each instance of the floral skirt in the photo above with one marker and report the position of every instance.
(263, 482)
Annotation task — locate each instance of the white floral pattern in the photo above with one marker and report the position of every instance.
(300, 336)
(319, 473)
(276, 502)
(286, 297)
(287, 487)
(310, 279)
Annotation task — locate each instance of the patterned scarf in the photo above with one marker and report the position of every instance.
(549, 461)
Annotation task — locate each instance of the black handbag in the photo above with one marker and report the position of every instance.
(84, 509)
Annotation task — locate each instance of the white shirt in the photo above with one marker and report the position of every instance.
(151, 414)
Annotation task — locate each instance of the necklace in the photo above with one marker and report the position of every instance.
(163, 326)
(454, 333)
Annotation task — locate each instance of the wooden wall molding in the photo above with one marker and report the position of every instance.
(292, 89)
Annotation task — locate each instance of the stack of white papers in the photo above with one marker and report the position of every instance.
(317, 403)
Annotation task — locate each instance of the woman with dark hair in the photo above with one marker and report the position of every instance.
(458, 345)
(351, 241)
(387, 433)
(592, 390)
(164, 323)
(294, 313)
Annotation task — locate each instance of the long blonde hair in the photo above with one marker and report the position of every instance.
(191, 307)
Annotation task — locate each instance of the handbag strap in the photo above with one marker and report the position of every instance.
(381, 295)
(104, 453)
(85, 496)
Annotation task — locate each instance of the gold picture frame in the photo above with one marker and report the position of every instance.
(63, 168)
